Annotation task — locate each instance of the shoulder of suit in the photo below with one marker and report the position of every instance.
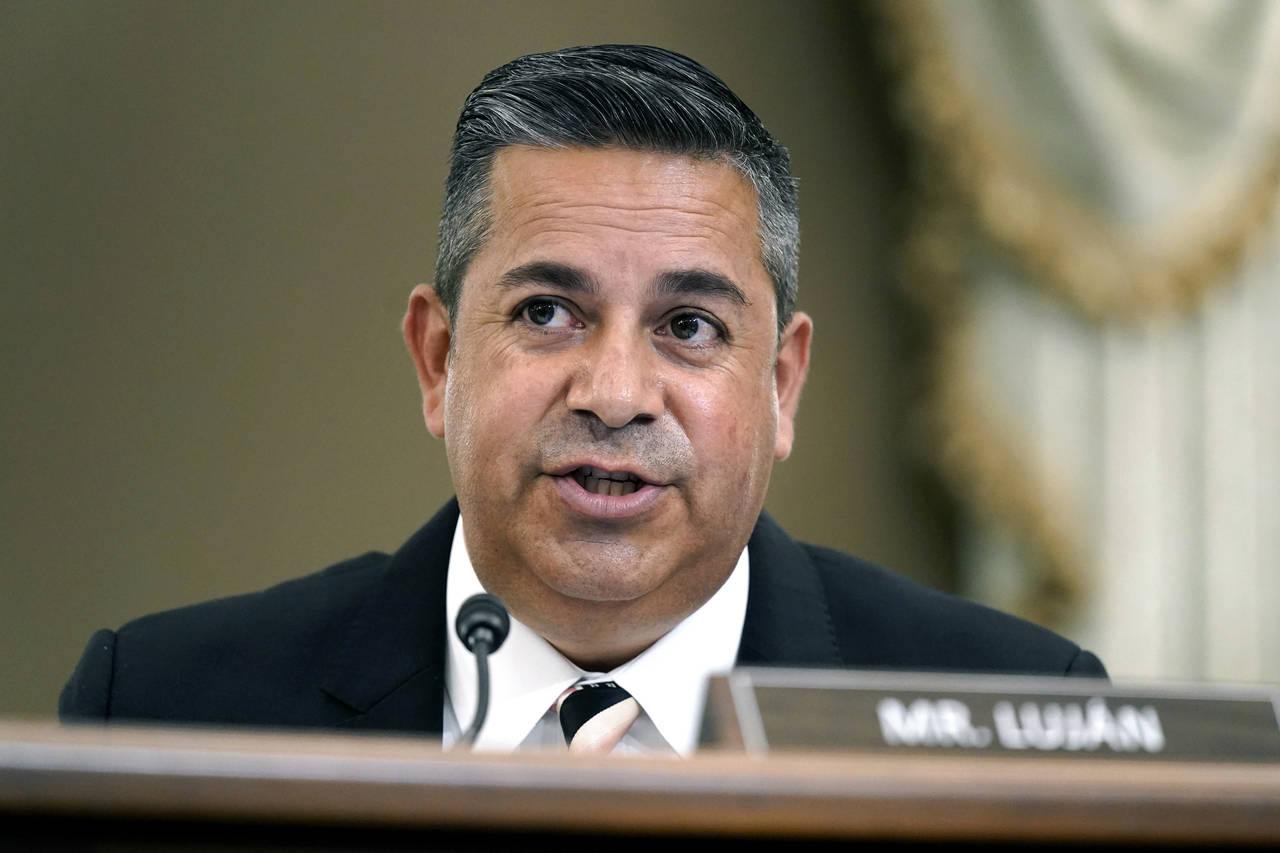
(311, 595)
(252, 658)
(913, 625)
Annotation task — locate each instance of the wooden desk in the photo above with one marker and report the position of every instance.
(162, 788)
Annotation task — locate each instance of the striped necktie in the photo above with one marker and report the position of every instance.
(594, 717)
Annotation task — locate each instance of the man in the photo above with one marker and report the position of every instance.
(612, 355)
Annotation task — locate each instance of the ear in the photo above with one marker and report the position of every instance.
(427, 334)
(789, 372)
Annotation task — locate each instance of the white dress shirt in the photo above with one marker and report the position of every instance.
(528, 674)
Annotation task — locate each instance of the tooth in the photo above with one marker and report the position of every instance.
(599, 481)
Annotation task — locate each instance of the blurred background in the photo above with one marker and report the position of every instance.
(1038, 244)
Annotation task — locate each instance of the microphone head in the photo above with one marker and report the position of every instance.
(482, 618)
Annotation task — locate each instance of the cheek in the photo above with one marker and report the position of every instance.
(734, 433)
(492, 402)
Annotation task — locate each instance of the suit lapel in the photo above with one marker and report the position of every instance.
(388, 662)
(788, 621)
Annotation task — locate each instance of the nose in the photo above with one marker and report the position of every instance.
(617, 381)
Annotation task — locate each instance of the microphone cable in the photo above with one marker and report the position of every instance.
(482, 625)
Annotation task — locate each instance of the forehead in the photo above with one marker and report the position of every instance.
(637, 205)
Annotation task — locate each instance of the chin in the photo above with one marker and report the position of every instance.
(603, 571)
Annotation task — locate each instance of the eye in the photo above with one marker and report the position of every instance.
(693, 329)
(546, 313)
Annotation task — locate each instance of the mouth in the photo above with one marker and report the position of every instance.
(598, 481)
(604, 494)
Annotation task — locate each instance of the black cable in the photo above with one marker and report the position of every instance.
(482, 625)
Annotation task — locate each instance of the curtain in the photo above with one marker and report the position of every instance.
(1095, 244)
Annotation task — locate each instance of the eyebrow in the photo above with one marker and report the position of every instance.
(702, 282)
(565, 277)
(559, 276)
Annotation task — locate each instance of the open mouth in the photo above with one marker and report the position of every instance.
(601, 482)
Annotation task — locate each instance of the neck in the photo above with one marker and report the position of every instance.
(593, 658)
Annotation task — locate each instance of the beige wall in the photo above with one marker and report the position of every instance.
(212, 215)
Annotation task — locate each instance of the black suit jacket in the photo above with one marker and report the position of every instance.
(361, 645)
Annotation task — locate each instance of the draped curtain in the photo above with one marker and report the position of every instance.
(1095, 241)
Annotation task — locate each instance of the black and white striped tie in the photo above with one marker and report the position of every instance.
(595, 717)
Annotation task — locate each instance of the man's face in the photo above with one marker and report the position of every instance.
(613, 393)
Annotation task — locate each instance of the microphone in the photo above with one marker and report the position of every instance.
(482, 625)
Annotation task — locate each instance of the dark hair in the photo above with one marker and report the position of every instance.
(628, 96)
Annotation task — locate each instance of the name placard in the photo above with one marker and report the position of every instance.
(762, 709)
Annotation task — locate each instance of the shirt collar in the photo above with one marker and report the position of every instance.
(528, 674)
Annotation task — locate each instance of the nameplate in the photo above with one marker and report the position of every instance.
(762, 709)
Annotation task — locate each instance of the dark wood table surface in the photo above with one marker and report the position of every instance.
(151, 788)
